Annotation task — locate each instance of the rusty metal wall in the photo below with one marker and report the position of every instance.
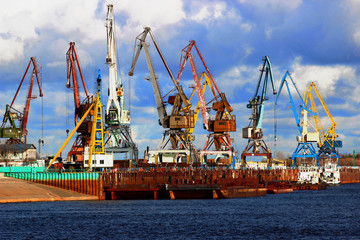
(349, 175)
(153, 178)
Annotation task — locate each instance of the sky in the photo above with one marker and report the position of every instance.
(317, 41)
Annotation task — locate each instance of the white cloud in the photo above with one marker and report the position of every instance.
(248, 52)
(268, 32)
(279, 5)
(11, 49)
(210, 11)
(148, 110)
(353, 9)
(22, 22)
(56, 64)
(325, 77)
(155, 14)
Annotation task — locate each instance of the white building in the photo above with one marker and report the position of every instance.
(17, 154)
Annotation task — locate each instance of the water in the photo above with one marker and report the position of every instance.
(329, 214)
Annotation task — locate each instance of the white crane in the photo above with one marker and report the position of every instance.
(115, 108)
(117, 117)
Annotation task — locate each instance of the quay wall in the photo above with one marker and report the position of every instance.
(349, 175)
(86, 182)
(95, 183)
(246, 177)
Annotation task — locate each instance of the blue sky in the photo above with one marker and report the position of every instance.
(316, 40)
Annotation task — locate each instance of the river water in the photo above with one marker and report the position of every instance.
(328, 214)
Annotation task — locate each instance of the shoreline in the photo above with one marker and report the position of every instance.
(14, 190)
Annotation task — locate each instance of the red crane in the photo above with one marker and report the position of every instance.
(72, 65)
(15, 134)
(224, 122)
(83, 138)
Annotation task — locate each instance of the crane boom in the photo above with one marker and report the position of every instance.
(305, 140)
(204, 111)
(266, 69)
(207, 82)
(160, 106)
(11, 132)
(223, 122)
(115, 108)
(254, 133)
(73, 65)
(327, 139)
(284, 81)
(71, 134)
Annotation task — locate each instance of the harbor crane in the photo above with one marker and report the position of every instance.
(328, 142)
(94, 154)
(256, 145)
(206, 83)
(117, 117)
(76, 153)
(16, 132)
(178, 124)
(224, 122)
(304, 149)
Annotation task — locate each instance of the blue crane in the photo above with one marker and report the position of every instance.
(256, 145)
(304, 149)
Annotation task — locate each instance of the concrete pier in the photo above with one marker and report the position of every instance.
(16, 190)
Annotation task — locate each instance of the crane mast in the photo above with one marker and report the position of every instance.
(117, 118)
(177, 125)
(305, 149)
(95, 154)
(115, 108)
(76, 153)
(160, 105)
(256, 145)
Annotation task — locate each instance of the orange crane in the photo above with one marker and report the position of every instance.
(76, 154)
(16, 134)
(224, 122)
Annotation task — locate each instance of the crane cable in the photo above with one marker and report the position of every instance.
(67, 113)
(275, 128)
(42, 120)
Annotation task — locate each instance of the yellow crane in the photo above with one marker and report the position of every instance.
(207, 82)
(328, 142)
(96, 147)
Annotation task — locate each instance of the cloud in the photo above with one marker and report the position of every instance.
(353, 8)
(139, 15)
(279, 5)
(23, 22)
(325, 77)
(208, 11)
(56, 64)
(11, 49)
(144, 110)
